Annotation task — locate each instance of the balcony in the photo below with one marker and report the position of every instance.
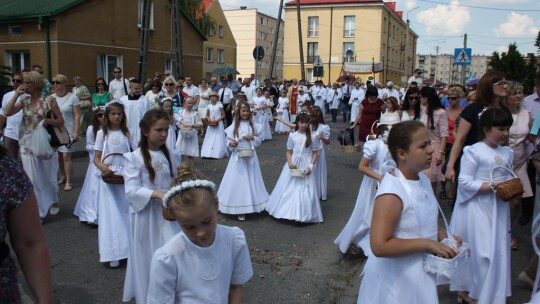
(349, 33)
(313, 33)
(311, 59)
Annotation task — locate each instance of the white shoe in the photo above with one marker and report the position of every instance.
(241, 217)
(114, 264)
(55, 209)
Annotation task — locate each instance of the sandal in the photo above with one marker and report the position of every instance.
(451, 202)
(62, 180)
(463, 297)
(68, 187)
(442, 194)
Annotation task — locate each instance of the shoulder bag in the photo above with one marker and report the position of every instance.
(59, 135)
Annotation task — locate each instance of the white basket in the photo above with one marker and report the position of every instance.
(298, 172)
(443, 268)
(188, 133)
(244, 153)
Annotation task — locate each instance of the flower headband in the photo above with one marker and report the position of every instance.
(186, 185)
(99, 108)
(115, 102)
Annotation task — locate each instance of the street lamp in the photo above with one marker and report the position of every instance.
(407, 36)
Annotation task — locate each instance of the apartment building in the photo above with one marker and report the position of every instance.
(361, 37)
(442, 67)
(250, 29)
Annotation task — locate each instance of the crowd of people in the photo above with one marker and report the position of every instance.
(456, 144)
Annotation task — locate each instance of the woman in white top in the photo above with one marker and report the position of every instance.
(70, 107)
(357, 95)
(204, 101)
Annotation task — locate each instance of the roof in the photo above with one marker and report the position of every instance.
(17, 9)
(316, 2)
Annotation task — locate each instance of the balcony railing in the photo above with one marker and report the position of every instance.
(349, 33)
(311, 59)
(313, 33)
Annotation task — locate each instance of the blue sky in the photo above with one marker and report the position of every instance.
(442, 23)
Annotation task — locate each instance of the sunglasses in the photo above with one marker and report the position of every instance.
(453, 98)
(99, 115)
(55, 82)
(501, 83)
(169, 84)
(411, 98)
(100, 83)
(16, 80)
(116, 72)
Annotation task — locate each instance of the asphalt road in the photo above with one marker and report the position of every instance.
(293, 263)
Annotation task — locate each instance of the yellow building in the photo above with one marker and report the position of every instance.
(354, 35)
(252, 28)
(220, 48)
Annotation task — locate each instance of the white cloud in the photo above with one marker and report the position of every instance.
(445, 19)
(502, 49)
(516, 25)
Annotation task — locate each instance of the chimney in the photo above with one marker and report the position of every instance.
(243, 7)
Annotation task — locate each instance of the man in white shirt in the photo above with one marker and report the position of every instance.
(191, 90)
(135, 106)
(119, 85)
(248, 89)
(225, 95)
(254, 82)
(417, 77)
(531, 103)
(390, 91)
(11, 131)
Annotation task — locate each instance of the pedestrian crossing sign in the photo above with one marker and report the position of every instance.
(462, 56)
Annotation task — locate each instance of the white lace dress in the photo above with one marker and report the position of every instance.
(188, 142)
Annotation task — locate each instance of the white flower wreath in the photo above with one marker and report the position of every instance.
(186, 185)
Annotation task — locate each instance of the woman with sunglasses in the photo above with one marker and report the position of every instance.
(411, 105)
(42, 172)
(102, 94)
(492, 90)
(170, 91)
(153, 93)
(69, 104)
(204, 101)
(454, 96)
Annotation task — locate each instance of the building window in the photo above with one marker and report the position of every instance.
(211, 31)
(349, 26)
(19, 60)
(106, 65)
(140, 14)
(221, 31)
(312, 51)
(313, 27)
(261, 35)
(209, 54)
(348, 52)
(15, 30)
(170, 64)
(221, 56)
(261, 20)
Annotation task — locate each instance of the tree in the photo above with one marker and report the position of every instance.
(511, 63)
(537, 42)
(196, 11)
(530, 74)
(6, 73)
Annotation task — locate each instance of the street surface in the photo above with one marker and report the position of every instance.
(293, 263)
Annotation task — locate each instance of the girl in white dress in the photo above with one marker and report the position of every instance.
(270, 104)
(480, 217)
(148, 173)
(321, 132)
(398, 242)
(283, 113)
(295, 197)
(190, 121)
(167, 106)
(214, 145)
(205, 262)
(376, 160)
(245, 171)
(86, 208)
(111, 142)
(258, 103)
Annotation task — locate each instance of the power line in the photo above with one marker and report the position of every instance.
(482, 7)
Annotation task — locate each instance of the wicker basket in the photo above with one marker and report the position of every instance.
(509, 189)
(351, 149)
(244, 153)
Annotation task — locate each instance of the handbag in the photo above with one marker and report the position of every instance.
(509, 189)
(59, 135)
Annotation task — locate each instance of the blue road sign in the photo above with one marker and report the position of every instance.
(462, 56)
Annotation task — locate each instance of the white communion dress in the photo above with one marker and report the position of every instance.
(214, 145)
(242, 188)
(188, 142)
(86, 208)
(295, 198)
(320, 171)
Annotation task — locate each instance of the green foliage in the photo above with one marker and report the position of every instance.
(537, 42)
(513, 65)
(5, 77)
(196, 11)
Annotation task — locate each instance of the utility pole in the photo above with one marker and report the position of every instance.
(278, 26)
(407, 38)
(300, 43)
(143, 51)
(435, 75)
(463, 67)
(177, 37)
